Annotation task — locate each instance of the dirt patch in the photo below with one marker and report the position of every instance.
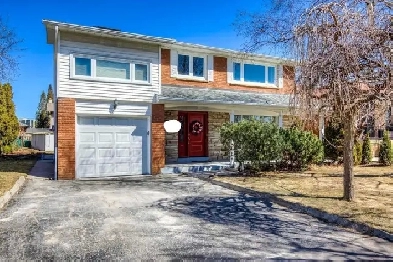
(321, 187)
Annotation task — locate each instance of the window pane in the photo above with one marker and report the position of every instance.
(237, 118)
(248, 117)
(112, 69)
(141, 72)
(183, 64)
(236, 71)
(197, 69)
(254, 73)
(82, 66)
(267, 119)
(271, 74)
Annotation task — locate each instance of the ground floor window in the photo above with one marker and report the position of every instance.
(264, 119)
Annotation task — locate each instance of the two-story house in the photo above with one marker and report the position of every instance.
(114, 91)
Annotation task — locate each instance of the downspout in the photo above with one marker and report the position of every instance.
(55, 82)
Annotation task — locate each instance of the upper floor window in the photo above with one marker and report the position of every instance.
(254, 73)
(191, 65)
(104, 69)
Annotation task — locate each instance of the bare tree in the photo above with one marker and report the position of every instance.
(342, 51)
(9, 46)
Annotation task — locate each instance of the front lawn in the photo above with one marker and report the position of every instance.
(14, 166)
(321, 188)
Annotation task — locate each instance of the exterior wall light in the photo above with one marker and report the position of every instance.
(172, 126)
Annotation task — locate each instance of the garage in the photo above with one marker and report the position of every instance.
(111, 146)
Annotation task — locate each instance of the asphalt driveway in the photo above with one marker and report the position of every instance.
(166, 218)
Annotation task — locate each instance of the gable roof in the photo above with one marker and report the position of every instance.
(165, 42)
(221, 96)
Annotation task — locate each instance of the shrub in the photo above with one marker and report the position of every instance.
(366, 151)
(256, 142)
(385, 150)
(357, 153)
(333, 141)
(301, 148)
(7, 149)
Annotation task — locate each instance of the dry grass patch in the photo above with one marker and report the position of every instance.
(321, 188)
(12, 167)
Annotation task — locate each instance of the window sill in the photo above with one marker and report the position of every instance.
(108, 80)
(261, 85)
(189, 78)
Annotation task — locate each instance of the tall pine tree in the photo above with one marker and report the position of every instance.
(50, 93)
(9, 124)
(42, 116)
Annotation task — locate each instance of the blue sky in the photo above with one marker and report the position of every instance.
(207, 22)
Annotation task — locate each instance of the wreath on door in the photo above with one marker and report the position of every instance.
(196, 127)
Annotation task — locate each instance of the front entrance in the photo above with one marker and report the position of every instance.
(193, 134)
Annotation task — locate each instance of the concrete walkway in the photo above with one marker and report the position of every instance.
(44, 169)
(166, 218)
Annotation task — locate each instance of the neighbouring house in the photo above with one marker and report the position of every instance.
(114, 90)
(28, 121)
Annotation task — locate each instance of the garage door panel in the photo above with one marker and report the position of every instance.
(123, 152)
(87, 137)
(87, 170)
(105, 152)
(123, 167)
(87, 152)
(105, 138)
(123, 137)
(110, 146)
(107, 169)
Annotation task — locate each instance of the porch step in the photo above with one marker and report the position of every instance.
(194, 167)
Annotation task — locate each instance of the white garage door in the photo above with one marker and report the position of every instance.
(109, 146)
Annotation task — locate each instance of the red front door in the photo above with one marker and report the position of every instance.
(192, 136)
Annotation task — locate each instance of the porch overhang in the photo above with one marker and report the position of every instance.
(181, 95)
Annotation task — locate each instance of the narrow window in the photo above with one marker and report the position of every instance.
(141, 72)
(236, 71)
(82, 66)
(183, 64)
(197, 69)
(271, 73)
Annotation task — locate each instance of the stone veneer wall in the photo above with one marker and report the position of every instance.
(171, 140)
(216, 149)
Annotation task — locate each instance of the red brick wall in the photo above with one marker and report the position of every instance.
(220, 77)
(158, 138)
(66, 138)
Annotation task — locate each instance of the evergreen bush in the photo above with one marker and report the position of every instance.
(301, 149)
(366, 151)
(385, 150)
(357, 153)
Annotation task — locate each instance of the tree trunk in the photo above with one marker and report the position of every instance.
(349, 138)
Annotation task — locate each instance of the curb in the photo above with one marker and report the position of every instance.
(9, 194)
(314, 212)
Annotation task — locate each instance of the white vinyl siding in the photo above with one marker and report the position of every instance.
(83, 87)
(105, 107)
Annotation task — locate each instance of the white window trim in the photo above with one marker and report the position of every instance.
(93, 76)
(258, 84)
(190, 66)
